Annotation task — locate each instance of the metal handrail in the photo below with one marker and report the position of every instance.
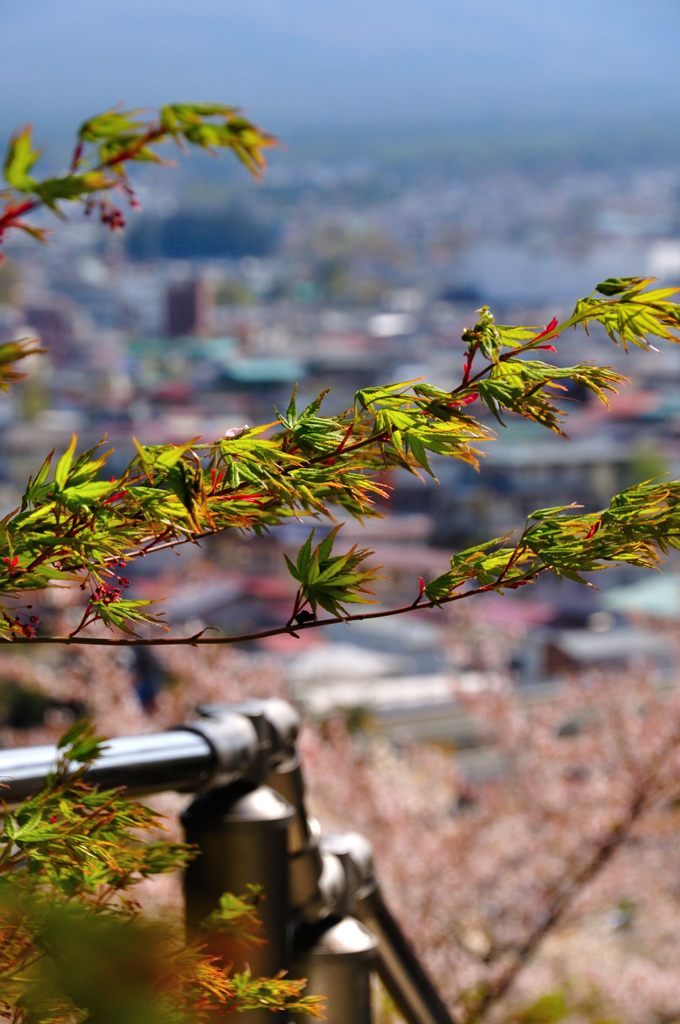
(250, 815)
(188, 758)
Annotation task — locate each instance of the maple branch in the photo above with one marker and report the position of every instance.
(197, 640)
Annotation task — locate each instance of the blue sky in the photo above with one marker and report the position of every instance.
(304, 64)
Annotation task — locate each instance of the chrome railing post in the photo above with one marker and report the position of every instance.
(398, 966)
(241, 831)
(338, 957)
(333, 951)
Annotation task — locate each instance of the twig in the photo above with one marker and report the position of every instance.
(193, 641)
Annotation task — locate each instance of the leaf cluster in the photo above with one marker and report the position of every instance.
(630, 314)
(237, 915)
(12, 352)
(106, 144)
(77, 839)
(63, 961)
(639, 525)
(69, 924)
(330, 581)
(415, 420)
(526, 387)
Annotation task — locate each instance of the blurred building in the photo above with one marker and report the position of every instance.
(53, 324)
(188, 308)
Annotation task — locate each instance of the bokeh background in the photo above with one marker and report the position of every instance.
(435, 156)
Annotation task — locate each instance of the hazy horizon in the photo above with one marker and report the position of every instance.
(398, 69)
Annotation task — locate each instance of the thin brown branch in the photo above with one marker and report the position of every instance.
(240, 638)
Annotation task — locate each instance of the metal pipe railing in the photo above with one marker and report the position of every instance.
(324, 914)
(188, 758)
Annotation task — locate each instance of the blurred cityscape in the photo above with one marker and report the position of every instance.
(219, 298)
